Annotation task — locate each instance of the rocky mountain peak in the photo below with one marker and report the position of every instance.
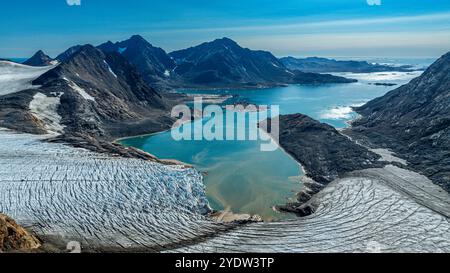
(225, 41)
(39, 59)
(138, 39)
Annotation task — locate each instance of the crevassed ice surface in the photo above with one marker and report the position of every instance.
(98, 199)
(105, 201)
(376, 210)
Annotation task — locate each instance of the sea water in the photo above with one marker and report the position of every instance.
(242, 178)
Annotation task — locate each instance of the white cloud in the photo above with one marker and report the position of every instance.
(73, 2)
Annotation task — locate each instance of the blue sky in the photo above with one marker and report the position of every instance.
(395, 28)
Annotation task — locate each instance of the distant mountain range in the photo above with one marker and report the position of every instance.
(221, 63)
(414, 121)
(324, 65)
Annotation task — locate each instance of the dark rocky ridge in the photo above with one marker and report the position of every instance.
(324, 153)
(324, 65)
(68, 53)
(39, 59)
(223, 63)
(152, 62)
(414, 122)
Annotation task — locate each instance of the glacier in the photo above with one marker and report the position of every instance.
(110, 203)
(72, 194)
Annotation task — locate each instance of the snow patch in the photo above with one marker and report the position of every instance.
(80, 90)
(46, 110)
(167, 73)
(121, 49)
(289, 72)
(275, 65)
(387, 155)
(109, 68)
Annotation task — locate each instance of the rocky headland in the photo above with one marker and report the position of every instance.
(324, 65)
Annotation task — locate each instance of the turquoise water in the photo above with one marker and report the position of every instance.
(244, 179)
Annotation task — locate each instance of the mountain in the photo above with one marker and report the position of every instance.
(223, 63)
(152, 62)
(413, 121)
(93, 95)
(68, 53)
(39, 59)
(324, 65)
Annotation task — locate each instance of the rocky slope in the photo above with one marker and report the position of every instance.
(324, 65)
(92, 97)
(414, 122)
(323, 152)
(39, 59)
(223, 63)
(14, 237)
(152, 62)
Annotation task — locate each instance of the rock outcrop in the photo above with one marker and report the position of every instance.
(414, 122)
(14, 237)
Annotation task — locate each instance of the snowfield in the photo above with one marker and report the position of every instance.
(17, 77)
(46, 110)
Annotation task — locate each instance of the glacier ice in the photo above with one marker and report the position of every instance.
(15, 77)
